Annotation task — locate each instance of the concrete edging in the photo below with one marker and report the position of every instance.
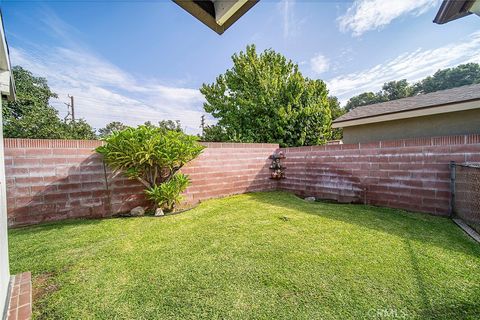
(472, 233)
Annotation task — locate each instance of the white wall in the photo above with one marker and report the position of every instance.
(4, 267)
(7, 87)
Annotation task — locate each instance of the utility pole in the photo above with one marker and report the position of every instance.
(72, 106)
(70, 109)
(202, 124)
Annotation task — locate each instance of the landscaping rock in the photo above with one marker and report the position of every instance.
(137, 212)
(159, 212)
(310, 199)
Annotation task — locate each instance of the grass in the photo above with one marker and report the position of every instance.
(263, 256)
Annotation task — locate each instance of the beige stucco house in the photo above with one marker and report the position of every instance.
(7, 91)
(447, 112)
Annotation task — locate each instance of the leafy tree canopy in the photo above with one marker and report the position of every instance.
(461, 75)
(214, 133)
(336, 111)
(79, 129)
(111, 128)
(167, 125)
(265, 98)
(396, 90)
(31, 116)
(362, 99)
(119, 126)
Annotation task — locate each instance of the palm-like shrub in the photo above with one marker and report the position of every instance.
(169, 194)
(152, 156)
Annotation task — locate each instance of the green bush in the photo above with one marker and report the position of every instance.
(168, 195)
(152, 156)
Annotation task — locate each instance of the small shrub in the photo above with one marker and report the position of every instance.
(168, 195)
(153, 156)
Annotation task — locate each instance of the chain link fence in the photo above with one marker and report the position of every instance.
(465, 187)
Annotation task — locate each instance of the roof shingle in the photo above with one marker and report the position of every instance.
(449, 96)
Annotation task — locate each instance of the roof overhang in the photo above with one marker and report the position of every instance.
(218, 15)
(7, 84)
(427, 111)
(455, 9)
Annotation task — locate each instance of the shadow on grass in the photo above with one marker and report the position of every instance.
(436, 311)
(419, 280)
(412, 228)
(468, 310)
(57, 225)
(418, 227)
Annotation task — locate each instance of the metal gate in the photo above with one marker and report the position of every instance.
(465, 190)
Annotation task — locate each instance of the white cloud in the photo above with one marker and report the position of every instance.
(103, 92)
(319, 63)
(366, 15)
(412, 66)
(289, 22)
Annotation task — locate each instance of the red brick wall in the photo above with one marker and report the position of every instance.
(57, 179)
(411, 174)
(230, 168)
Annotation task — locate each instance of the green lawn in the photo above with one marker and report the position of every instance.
(253, 256)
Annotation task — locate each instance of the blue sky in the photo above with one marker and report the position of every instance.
(133, 61)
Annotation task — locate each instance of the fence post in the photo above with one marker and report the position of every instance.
(452, 188)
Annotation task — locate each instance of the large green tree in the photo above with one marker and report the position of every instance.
(31, 116)
(78, 129)
(110, 128)
(464, 74)
(390, 91)
(394, 90)
(362, 99)
(265, 98)
(214, 133)
(336, 111)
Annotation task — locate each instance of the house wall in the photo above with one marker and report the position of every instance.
(58, 179)
(4, 264)
(410, 174)
(446, 124)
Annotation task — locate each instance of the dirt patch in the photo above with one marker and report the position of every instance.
(44, 285)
